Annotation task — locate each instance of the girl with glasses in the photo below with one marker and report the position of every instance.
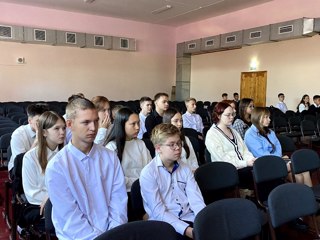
(225, 144)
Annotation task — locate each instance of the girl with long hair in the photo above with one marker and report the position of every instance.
(304, 103)
(132, 152)
(51, 136)
(262, 141)
(188, 155)
(243, 122)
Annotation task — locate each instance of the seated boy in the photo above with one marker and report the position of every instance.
(169, 190)
(190, 118)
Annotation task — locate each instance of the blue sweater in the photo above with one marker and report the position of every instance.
(259, 146)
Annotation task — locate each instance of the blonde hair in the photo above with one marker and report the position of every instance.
(162, 132)
(78, 104)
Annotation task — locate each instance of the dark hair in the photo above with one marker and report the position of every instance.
(218, 110)
(167, 116)
(37, 109)
(302, 101)
(243, 105)
(145, 99)
(316, 97)
(159, 95)
(224, 94)
(118, 133)
(280, 94)
(46, 120)
(235, 94)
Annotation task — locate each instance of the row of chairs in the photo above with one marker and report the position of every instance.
(295, 127)
(17, 207)
(7, 126)
(269, 172)
(6, 108)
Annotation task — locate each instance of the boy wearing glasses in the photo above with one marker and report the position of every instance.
(169, 190)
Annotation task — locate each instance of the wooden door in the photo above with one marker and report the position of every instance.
(254, 85)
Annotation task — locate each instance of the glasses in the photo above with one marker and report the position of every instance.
(229, 115)
(173, 146)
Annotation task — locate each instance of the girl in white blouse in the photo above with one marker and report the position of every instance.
(304, 103)
(188, 155)
(51, 135)
(132, 152)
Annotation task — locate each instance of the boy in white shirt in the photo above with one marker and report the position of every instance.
(190, 118)
(281, 105)
(146, 108)
(169, 190)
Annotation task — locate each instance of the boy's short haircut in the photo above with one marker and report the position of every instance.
(280, 94)
(159, 95)
(75, 96)
(189, 99)
(224, 94)
(37, 109)
(78, 104)
(316, 97)
(162, 132)
(235, 94)
(145, 99)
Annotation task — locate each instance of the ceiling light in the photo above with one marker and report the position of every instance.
(162, 9)
(88, 1)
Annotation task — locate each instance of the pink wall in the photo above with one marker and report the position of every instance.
(146, 34)
(264, 14)
(117, 75)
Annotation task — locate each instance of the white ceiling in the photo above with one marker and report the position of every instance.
(179, 12)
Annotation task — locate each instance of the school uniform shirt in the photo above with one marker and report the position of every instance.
(192, 120)
(259, 146)
(223, 149)
(302, 107)
(33, 180)
(282, 106)
(87, 192)
(192, 160)
(142, 129)
(21, 141)
(135, 157)
(170, 197)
